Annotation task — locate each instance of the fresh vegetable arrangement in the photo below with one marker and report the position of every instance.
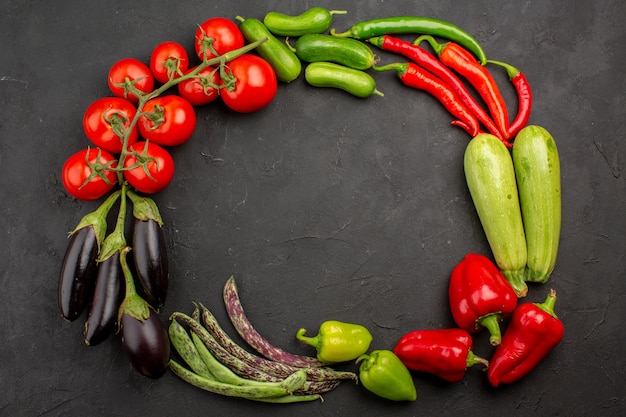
(511, 168)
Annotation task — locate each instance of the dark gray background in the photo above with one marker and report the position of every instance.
(322, 205)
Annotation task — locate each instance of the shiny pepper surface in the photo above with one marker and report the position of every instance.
(446, 353)
(480, 296)
(534, 330)
(383, 373)
(337, 341)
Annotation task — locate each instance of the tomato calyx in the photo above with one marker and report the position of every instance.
(156, 117)
(206, 82)
(143, 159)
(206, 44)
(172, 65)
(117, 121)
(98, 169)
(129, 88)
(230, 81)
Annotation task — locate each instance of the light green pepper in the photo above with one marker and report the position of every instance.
(384, 374)
(337, 341)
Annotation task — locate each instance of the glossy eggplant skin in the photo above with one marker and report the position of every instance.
(107, 298)
(78, 273)
(150, 260)
(146, 344)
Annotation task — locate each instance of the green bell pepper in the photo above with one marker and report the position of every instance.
(337, 341)
(384, 374)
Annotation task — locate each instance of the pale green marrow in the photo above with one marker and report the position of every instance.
(491, 181)
(538, 173)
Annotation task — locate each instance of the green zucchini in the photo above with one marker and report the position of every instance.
(491, 181)
(538, 173)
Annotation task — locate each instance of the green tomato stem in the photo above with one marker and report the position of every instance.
(143, 98)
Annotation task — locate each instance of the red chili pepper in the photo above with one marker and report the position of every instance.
(524, 97)
(414, 76)
(463, 62)
(480, 296)
(430, 63)
(534, 330)
(446, 353)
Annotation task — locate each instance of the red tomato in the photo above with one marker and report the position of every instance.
(222, 34)
(130, 72)
(157, 161)
(255, 84)
(169, 60)
(200, 91)
(170, 120)
(85, 174)
(106, 120)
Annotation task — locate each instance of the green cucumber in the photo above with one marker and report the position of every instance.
(313, 20)
(327, 74)
(538, 173)
(344, 51)
(284, 61)
(491, 181)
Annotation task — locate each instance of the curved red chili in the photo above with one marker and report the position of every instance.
(463, 62)
(430, 63)
(524, 97)
(413, 76)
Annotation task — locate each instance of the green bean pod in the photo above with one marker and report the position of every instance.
(275, 368)
(182, 343)
(328, 74)
(344, 51)
(222, 373)
(314, 20)
(243, 391)
(284, 61)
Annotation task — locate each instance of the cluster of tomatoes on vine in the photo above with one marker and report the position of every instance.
(153, 108)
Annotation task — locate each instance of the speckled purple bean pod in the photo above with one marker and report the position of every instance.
(253, 338)
(273, 368)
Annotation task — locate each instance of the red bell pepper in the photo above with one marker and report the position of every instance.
(446, 353)
(534, 330)
(480, 296)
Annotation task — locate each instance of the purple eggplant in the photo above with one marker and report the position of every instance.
(150, 260)
(144, 338)
(107, 298)
(146, 343)
(78, 273)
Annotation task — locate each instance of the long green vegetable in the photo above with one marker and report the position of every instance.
(537, 169)
(491, 181)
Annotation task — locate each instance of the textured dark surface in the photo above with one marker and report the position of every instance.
(323, 206)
